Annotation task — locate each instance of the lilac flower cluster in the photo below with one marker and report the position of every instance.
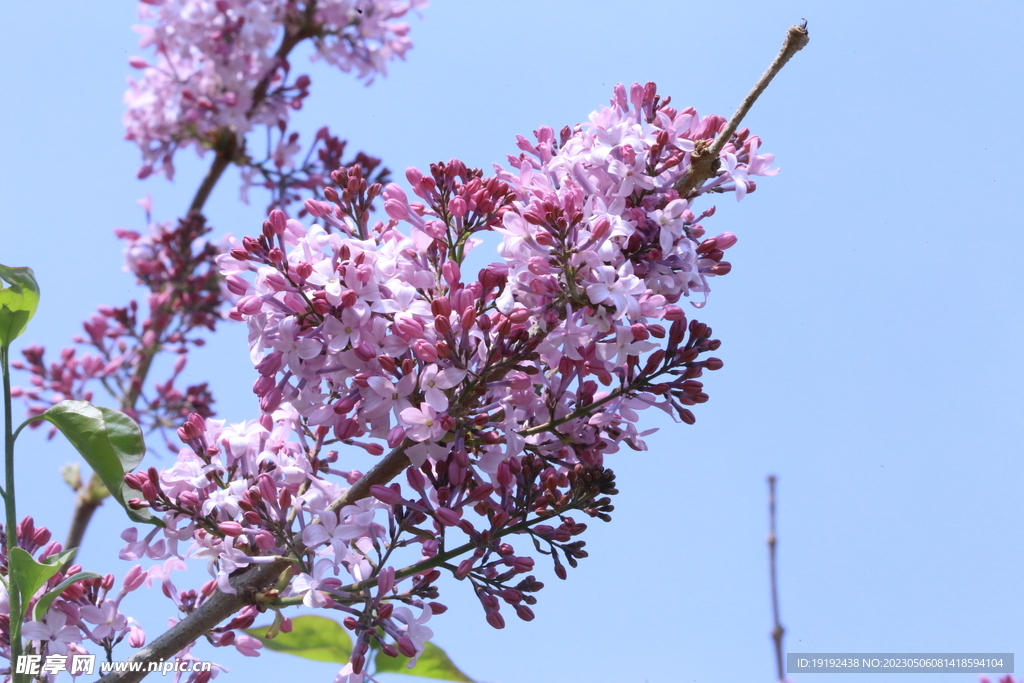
(245, 494)
(86, 613)
(500, 396)
(215, 72)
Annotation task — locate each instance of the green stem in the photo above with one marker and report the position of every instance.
(13, 596)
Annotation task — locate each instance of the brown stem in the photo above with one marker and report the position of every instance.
(217, 168)
(390, 466)
(777, 630)
(704, 159)
(85, 506)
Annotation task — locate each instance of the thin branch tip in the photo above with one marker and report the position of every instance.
(704, 162)
(798, 35)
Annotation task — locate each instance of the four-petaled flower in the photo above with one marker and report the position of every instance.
(433, 380)
(107, 619)
(423, 423)
(55, 631)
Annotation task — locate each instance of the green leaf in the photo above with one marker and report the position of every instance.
(110, 441)
(325, 640)
(49, 596)
(18, 302)
(27, 576)
(311, 637)
(433, 663)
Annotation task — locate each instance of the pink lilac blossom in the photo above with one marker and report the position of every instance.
(598, 248)
(504, 394)
(220, 68)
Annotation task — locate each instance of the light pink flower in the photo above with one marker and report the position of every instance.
(310, 585)
(54, 631)
(423, 423)
(106, 617)
(433, 380)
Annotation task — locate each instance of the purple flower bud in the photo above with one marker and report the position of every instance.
(413, 175)
(523, 564)
(524, 613)
(386, 495)
(386, 580)
(495, 619)
(276, 281)
(406, 646)
(457, 207)
(249, 305)
(674, 313)
(233, 529)
(316, 209)
(278, 220)
(425, 351)
(136, 636)
(266, 486)
(364, 351)
(134, 578)
(504, 475)
(416, 479)
(451, 272)
(396, 436)
(464, 568)
(270, 364)
(237, 285)
(270, 401)
(726, 240)
(481, 492)
(265, 541)
(395, 209)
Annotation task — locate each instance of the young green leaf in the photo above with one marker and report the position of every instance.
(49, 596)
(18, 302)
(27, 576)
(110, 441)
(433, 663)
(311, 637)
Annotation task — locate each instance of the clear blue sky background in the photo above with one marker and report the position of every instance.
(871, 326)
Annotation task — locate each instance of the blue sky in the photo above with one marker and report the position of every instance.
(871, 325)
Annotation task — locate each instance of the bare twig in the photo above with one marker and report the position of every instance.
(217, 168)
(777, 630)
(704, 159)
